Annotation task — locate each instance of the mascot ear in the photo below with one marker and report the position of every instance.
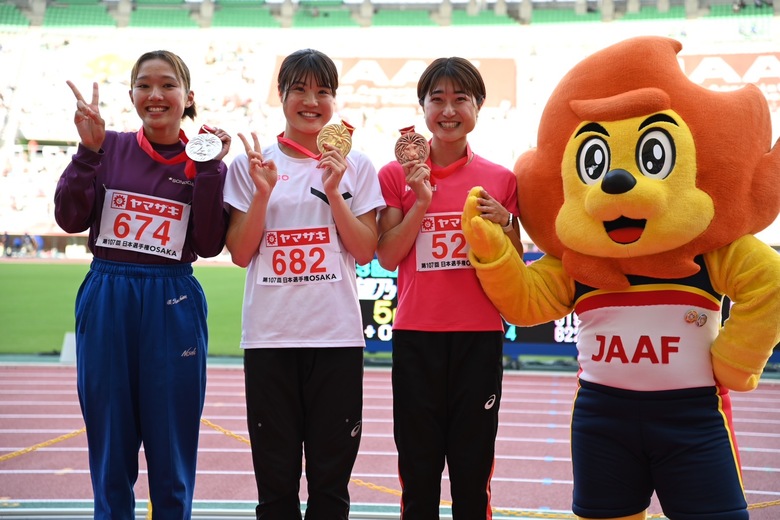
(765, 189)
(744, 185)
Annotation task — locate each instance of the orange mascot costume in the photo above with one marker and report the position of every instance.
(644, 192)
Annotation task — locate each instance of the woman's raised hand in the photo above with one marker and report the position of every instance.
(263, 173)
(418, 178)
(334, 166)
(91, 127)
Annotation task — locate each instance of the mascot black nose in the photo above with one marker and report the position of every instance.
(617, 181)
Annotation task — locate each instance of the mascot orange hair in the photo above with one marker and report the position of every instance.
(644, 192)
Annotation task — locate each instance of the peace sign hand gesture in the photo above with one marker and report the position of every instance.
(91, 127)
(263, 173)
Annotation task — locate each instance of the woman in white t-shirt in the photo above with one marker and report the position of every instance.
(300, 220)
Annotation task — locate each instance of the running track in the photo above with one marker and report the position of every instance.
(44, 470)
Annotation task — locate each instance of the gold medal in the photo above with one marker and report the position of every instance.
(337, 135)
(411, 146)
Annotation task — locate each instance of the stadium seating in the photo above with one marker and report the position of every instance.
(563, 16)
(10, 15)
(461, 17)
(749, 10)
(76, 2)
(78, 14)
(402, 17)
(159, 2)
(157, 16)
(323, 17)
(235, 84)
(238, 13)
(320, 3)
(652, 13)
(348, 13)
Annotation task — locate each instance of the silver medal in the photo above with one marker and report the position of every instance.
(203, 147)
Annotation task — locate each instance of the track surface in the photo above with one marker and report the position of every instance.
(43, 456)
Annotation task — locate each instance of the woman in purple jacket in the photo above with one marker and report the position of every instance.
(152, 208)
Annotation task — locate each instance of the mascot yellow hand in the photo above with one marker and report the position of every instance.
(486, 239)
(734, 378)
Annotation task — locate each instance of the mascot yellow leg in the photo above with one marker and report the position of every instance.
(638, 516)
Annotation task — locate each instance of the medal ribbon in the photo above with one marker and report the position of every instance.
(292, 144)
(438, 172)
(305, 151)
(146, 146)
(350, 128)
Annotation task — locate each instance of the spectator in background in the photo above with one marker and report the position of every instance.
(39, 245)
(28, 246)
(141, 333)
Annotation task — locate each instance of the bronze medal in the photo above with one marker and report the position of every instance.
(337, 135)
(411, 146)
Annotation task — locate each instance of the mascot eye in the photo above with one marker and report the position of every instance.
(593, 160)
(655, 154)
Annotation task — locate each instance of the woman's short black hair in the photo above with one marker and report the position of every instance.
(463, 74)
(304, 64)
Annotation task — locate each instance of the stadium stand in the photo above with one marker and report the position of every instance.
(320, 4)
(744, 11)
(10, 15)
(243, 14)
(652, 13)
(463, 17)
(402, 18)
(364, 13)
(380, 49)
(563, 16)
(159, 3)
(146, 15)
(323, 16)
(78, 13)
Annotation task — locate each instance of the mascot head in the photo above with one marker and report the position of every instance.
(638, 170)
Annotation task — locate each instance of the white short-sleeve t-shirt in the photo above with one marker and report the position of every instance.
(302, 292)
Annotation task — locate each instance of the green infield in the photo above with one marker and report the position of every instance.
(37, 305)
